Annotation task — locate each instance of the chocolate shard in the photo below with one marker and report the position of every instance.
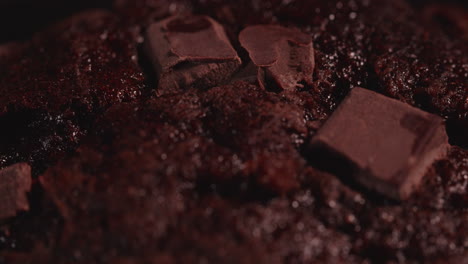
(284, 56)
(190, 51)
(388, 144)
(15, 182)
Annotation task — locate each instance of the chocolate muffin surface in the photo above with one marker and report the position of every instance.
(177, 152)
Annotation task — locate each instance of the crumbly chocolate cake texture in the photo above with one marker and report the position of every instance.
(189, 131)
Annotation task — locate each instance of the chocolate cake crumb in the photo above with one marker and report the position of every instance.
(217, 169)
(53, 86)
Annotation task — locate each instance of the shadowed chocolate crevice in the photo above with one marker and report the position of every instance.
(150, 77)
(239, 190)
(41, 224)
(42, 138)
(451, 19)
(325, 159)
(457, 130)
(36, 137)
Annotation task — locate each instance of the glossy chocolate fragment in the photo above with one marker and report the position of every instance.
(390, 144)
(15, 182)
(284, 57)
(190, 51)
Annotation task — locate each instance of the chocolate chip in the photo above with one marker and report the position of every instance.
(190, 51)
(389, 144)
(284, 56)
(189, 25)
(15, 182)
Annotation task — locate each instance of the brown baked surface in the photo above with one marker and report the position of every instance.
(122, 174)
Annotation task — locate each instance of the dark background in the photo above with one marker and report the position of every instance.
(20, 18)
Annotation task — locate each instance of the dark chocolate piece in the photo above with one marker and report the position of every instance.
(218, 176)
(389, 143)
(190, 51)
(15, 182)
(284, 56)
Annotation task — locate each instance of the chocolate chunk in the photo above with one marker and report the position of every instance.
(389, 143)
(190, 51)
(284, 56)
(15, 182)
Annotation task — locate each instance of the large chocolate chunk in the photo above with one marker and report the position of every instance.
(190, 51)
(284, 56)
(15, 182)
(389, 143)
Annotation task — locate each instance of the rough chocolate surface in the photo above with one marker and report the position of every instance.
(15, 183)
(388, 143)
(284, 57)
(53, 86)
(190, 51)
(219, 174)
(82, 50)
